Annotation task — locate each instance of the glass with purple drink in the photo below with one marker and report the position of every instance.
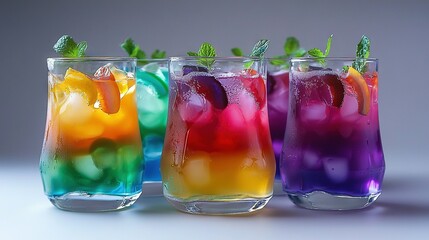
(332, 155)
(278, 103)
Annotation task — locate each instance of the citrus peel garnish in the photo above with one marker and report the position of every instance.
(77, 81)
(108, 91)
(360, 87)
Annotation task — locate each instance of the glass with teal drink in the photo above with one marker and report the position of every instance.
(152, 105)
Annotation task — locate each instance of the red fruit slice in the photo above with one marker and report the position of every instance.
(255, 85)
(108, 91)
(360, 88)
(335, 95)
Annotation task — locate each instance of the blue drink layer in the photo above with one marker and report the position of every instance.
(152, 103)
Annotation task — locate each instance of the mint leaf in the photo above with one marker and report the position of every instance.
(81, 48)
(260, 48)
(207, 50)
(345, 69)
(192, 54)
(277, 61)
(138, 53)
(291, 45)
(237, 52)
(317, 54)
(300, 53)
(128, 45)
(258, 51)
(133, 50)
(67, 47)
(328, 45)
(362, 53)
(157, 54)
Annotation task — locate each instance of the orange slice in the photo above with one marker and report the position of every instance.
(121, 79)
(359, 86)
(77, 81)
(108, 91)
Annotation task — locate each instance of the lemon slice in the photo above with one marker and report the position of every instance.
(78, 82)
(358, 83)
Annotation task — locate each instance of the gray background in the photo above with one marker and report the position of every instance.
(398, 30)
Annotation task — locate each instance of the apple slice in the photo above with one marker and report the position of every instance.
(108, 91)
(360, 87)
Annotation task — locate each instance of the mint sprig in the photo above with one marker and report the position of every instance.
(134, 50)
(206, 53)
(362, 53)
(158, 54)
(237, 52)
(67, 47)
(258, 51)
(291, 49)
(318, 54)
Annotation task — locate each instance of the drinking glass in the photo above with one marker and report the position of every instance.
(217, 156)
(152, 104)
(278, 103)
(92, 156)
(332, 154)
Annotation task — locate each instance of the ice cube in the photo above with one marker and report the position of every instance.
(248, 105)
(150, 107)
(311, 158)
(103, 152)
(75, 110)
(232, 118)
(152, 146)
(154, 69)
(86, 167)
(349, 109)
(197, 169)
(195, 108)
(336, 168)
(314, 112)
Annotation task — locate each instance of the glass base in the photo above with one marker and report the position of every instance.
(219, 207)
(320, 200)
(84, 202)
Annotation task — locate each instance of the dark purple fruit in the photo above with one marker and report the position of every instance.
(212, 90)
(333, 95)
(190, 68)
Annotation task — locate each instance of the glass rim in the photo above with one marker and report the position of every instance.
(234, 59)
(91, 59)
(331, 59)
(152, 59)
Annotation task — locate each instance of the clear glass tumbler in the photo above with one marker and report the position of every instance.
(92, 155)
(332, 154)
(217, 157)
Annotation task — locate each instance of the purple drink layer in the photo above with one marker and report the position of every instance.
(278, 103)
(331, 145)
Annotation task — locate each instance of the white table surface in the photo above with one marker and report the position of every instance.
(401, 212)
